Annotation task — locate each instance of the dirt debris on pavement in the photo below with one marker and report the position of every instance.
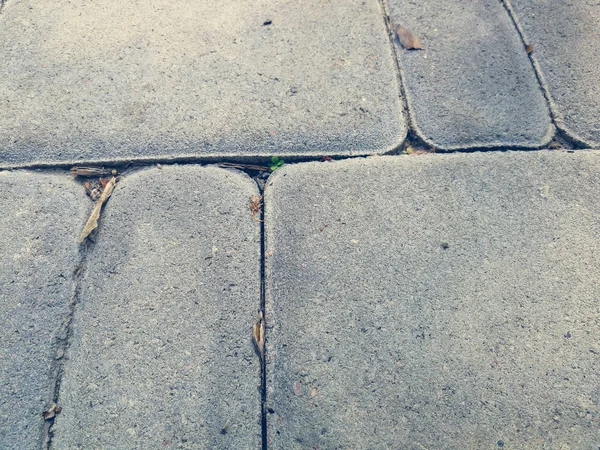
(51, 412)
(92, 222)
(244, 166)
(91, 172)
(255, 206)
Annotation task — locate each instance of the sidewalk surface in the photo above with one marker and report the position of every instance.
(425, 264)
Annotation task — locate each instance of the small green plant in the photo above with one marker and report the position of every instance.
(276, 163)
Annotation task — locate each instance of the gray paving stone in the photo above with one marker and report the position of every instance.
(566, 49)
(437, 301)
(473, 86)
(162, 355)
(40, 218)
(126, 80)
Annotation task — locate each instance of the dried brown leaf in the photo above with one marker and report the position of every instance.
(92, 222)
(529, 49)
(258, 333)
(255, 206)
(407, 39)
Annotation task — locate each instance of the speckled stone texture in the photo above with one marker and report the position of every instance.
(435, 301)
(162, 353)
(165, 79)
(565, 37)
(41, 216)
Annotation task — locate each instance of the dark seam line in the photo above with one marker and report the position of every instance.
(263, 365)
(66, 336)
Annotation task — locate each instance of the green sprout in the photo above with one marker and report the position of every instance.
(276, 163)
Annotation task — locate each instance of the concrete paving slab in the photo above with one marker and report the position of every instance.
(565, 37)
(162, 354)
(473, 85)
(163, 79)
(41, 216)
(435, 301)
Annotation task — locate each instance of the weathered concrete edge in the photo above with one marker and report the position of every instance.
(555, 114)
(210, 158)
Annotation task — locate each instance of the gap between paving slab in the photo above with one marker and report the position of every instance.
(573, 99)
(262, 299)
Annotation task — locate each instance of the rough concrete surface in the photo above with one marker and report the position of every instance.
(473, 85)
(435, 301)
(124, 80)
(40, 218)
(162, 355)
(565, 37)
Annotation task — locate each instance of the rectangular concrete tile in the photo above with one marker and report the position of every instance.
(162, 355)
(565, 37)
(436, 301)
(473, 85)
(124, 80)
(40, 218)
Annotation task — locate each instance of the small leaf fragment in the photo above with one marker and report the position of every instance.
(258, 334)
(407, 39)
(529, 49)
(255, 206)
(276, 163)
(92, 222)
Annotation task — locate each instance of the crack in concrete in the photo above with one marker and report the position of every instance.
(65, 338)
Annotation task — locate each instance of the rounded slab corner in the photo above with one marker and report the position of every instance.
(542, 142)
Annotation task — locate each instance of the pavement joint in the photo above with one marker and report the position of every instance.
(263, 367)
(564, 137)
(65, 338)
(391, 38)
